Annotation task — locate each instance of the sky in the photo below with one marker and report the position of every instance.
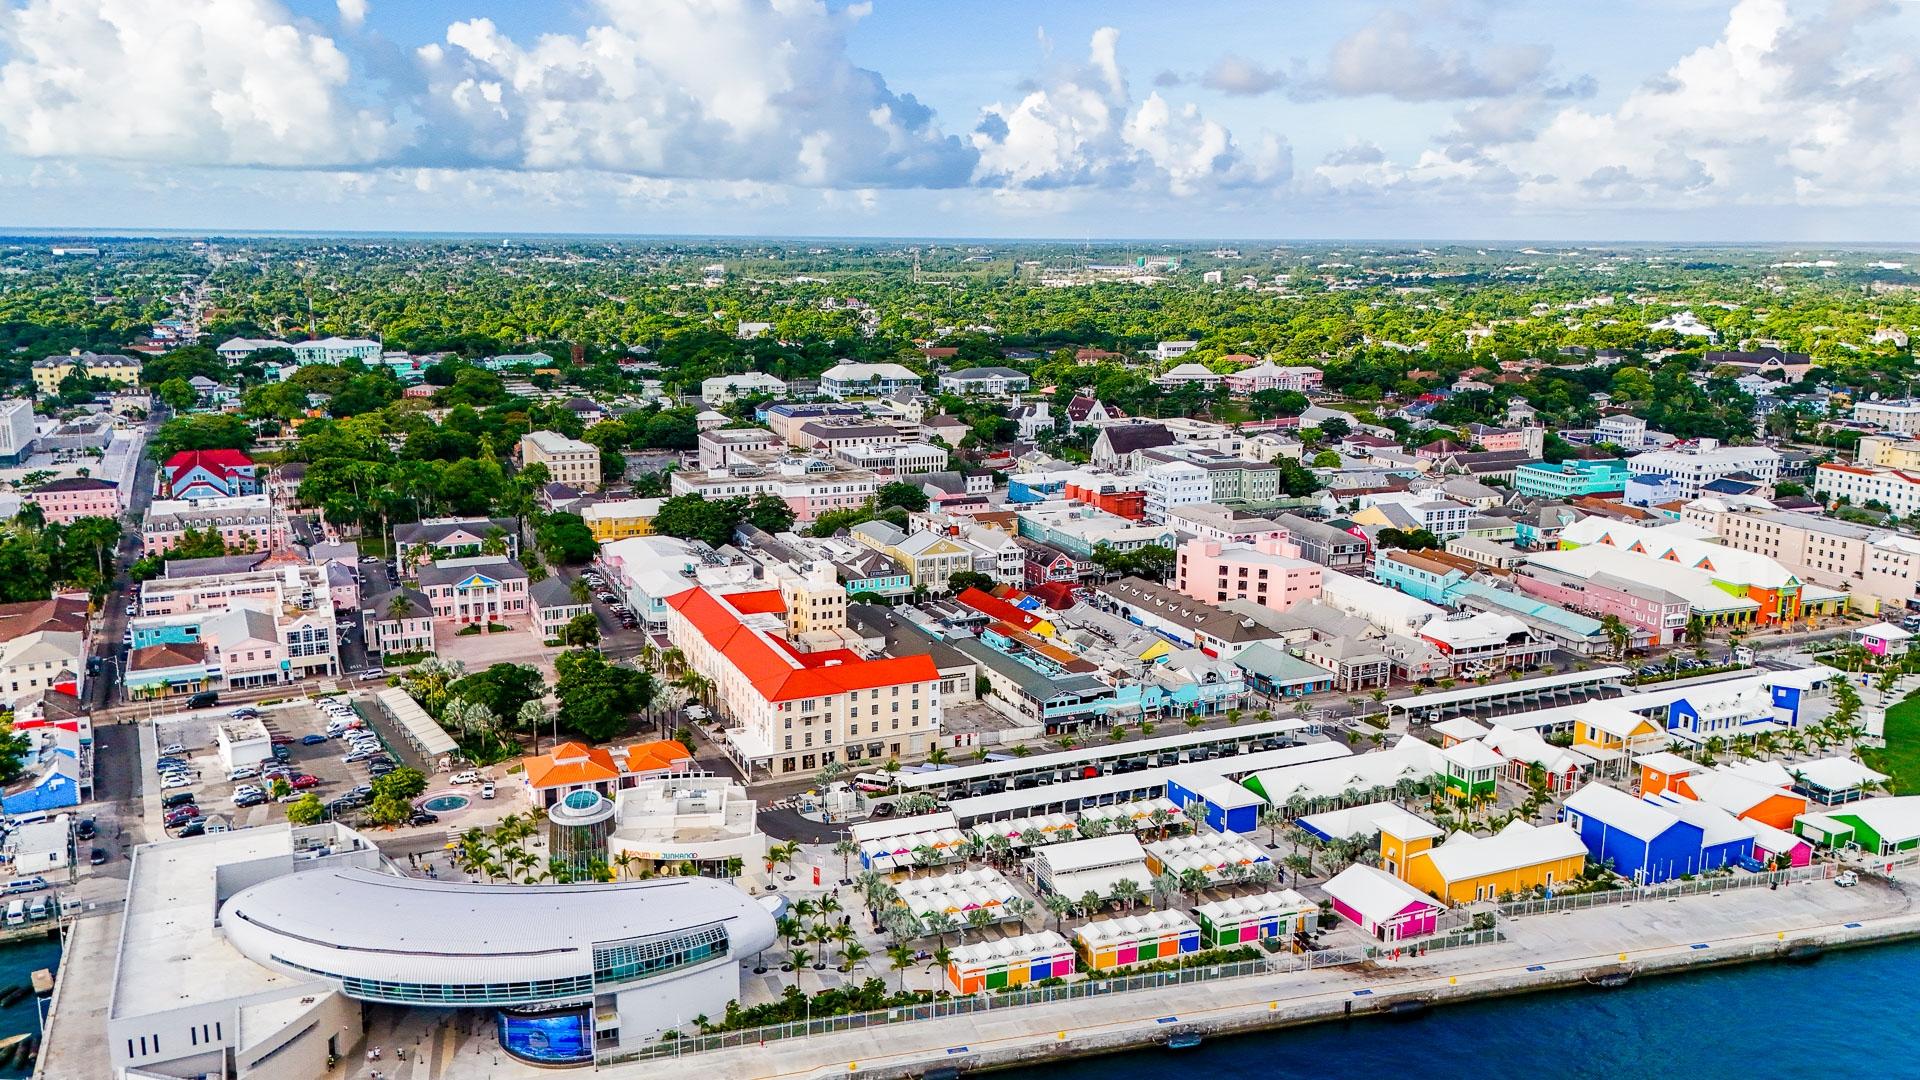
(1635, 120)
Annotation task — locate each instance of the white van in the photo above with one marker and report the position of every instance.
(16, 913)
(37, 908)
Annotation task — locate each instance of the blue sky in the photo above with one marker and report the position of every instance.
(1752, 120)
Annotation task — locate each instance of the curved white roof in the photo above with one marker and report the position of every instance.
(363, 924)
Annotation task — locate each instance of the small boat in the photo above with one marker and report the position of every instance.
(42, 982)
(13, 995)
(1182, 1040)
(1611, 979)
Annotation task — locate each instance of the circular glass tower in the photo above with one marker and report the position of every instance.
(577, 831)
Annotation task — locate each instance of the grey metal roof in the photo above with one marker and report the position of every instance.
(1038, 686)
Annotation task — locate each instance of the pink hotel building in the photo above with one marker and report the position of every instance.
(66, 501)
(1268, 572)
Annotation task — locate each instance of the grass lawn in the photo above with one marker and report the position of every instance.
(1900, 758)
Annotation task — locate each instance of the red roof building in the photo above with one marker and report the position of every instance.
(206, 474)
(793, 710)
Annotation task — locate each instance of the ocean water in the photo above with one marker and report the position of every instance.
(1848, 1013)
(17, 964)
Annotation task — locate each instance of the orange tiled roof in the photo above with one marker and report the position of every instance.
(764, 601)
(568, 764)
(656, 756)
(781, 674)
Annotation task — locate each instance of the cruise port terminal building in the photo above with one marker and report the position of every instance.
(253, 953)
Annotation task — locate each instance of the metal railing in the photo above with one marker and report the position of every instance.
(1461, 940)
(984, 1002)
(1665, 891)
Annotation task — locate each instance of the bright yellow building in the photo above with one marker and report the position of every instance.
(1515, 860)
(48, 374)
(1614, 730)
(621, 518)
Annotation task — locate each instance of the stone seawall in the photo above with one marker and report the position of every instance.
(1397, 990)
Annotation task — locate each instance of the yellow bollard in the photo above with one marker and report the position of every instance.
(1623, 957)
(1061, 1035)
(853, 1066)
(1781, 936)
(1453, 980)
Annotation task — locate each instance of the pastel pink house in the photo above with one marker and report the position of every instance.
(68, 500)
(1878, 639)
(1268, 572)
(1656, 616)
(1770, 843)
(1381, 904)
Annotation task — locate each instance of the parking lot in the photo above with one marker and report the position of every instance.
(298, 730)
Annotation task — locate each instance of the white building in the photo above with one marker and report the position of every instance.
(1389, 609)
(1902, 416)
(1624, 430)
(725, 388)
(899, 459)
(235, 350)
(984, 381)
(1692, 468)
(1896, 489)
(1173, 350)
(810, 485)
(335, 350)
(16, 430)
(1190, 375)
(708, 821)
(1172, 484)
(1272, 376)
(251, 954)
(867, 380)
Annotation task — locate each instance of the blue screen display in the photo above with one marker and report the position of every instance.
(561, 1037)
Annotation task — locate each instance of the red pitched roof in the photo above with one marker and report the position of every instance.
(765, 601)
(994, 607)
(214, 461)
(781, 673)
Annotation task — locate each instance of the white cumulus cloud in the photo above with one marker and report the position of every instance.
(1082, 126)
(740, 89)
(197, 81)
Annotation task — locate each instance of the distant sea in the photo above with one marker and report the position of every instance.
(1848, 1013)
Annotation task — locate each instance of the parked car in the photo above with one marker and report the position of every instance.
(374, 673)
(468, 777)
(249, 800)
(84, 829)
(24, 885)
(178, 798)
(174, 782)
(205, 699)
(97, 856)
(1847, 879)
(171, 749)
(487, 790)
(181, 813)
(424, 817)
(312, 740)
(197, 828)
(304, 781)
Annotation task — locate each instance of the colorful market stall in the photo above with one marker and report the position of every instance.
(1240, 920)
(959, 895)
(1213, 854)
(1137, 815)
(1023, 832)
(1135, 939)
(1014, 961)
(898, 844)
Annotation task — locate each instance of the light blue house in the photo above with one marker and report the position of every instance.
(1420, 578)
(1570, 479)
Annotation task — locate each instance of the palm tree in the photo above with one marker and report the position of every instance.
(937, 923)
(1059, 907)
(1020, 908)
(979, 919)
(1127, 892)
(846, 849)
(851, 954)
(1274, 818)
(1165, 886)
(1301, 865)
(782, 854)
(1089, 903)
(900, 958)
(1193, 882)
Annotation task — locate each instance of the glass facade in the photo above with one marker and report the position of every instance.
(639, 958)
(577, 830)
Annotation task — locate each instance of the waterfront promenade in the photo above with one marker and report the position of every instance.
(1539, 951)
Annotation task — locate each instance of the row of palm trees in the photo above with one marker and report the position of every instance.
(809, 924)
